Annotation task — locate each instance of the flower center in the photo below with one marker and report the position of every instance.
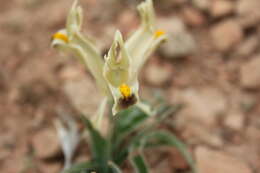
(159, 33)
(125, 90)
(60, 36)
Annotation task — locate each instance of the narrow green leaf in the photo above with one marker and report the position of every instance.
(139, 164)
(81, 167)
(126, 122)
(114, 167)
(163, 138)
(99, 147)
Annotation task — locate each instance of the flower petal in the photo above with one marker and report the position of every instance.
(121, 103)
(144, 41)
(72, 40)
(74, 19)
(117, 63)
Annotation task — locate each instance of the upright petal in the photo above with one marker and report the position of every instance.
(117, 72)
(117, 63)
(74, 19)
(143, 42)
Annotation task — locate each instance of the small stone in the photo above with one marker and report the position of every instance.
(178, 45)
(193, 17)
(50, 167)
(196, 133)
(162, 166)
(171, 24)
(221, 8)
(127, 21)
(226, 35)
(250, 73)
(248, 12)
(177, 160)
(158, 74)
(46, 143)
(218, 162)
(69, 72)
(201, 4)
(248, 152)
(253, 134)
(79, 90)
(247, 7)
(235, 121)
(104, 40)
(247, 47)
(201, 105)
(180, 42)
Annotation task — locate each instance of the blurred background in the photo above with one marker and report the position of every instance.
(210, 64)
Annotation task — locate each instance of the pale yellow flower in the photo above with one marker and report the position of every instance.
(117, 74)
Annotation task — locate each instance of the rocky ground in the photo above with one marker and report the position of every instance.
(210, 64)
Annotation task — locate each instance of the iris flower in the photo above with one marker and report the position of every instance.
(116, 74)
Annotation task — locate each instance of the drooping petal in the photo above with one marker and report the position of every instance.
(144, 41)
(71, 40)
(122, 102)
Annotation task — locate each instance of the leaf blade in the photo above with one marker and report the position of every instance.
(163, 138)
(139, 164)
(99, 147)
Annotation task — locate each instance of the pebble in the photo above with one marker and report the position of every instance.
(180, 42)
(196, 133)
(226, 35)
(46, 143)
(171, 24)
(248, 7)
(178, 45)
(235, 121)
(247, 47)
(250, 73)
(201, 4)
(177, 160)
(193, 17)
(249, 13)
(218, 162)
(78, 89)
(220, 8)
(202, 105)
(158, 74)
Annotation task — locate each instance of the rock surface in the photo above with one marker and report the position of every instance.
(178, 45)
(79, 88)
(226, 35)
(201, 105)
(221, 8)
(158, 74)
(46, 143)
(201, 4)
(249, 12)
(193, 16)
(247, 47)
(180, 42)
(250, 73)
(218, 162)
(235, 121)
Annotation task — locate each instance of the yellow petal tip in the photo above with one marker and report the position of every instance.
(60, 36)
(159, 33)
